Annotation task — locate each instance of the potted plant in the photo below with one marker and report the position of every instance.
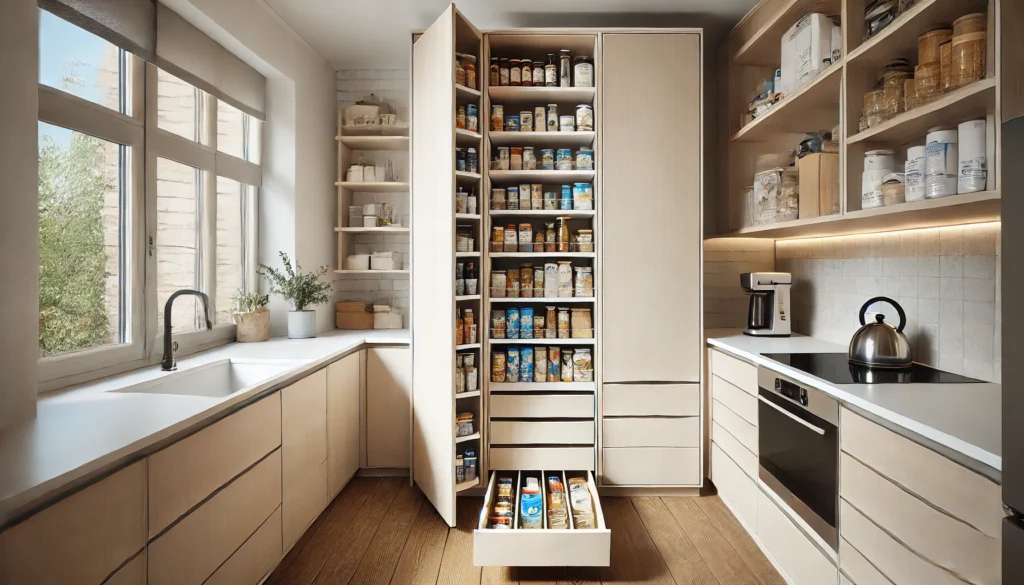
(252, 319)
(301, 290)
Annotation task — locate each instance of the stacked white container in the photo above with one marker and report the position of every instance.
(942, 163)
(915, 172)
(877, 164)
(973, 163)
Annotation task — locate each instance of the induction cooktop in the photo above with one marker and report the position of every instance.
(836, 368)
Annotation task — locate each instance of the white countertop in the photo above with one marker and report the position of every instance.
(965, 418)
(87, 428)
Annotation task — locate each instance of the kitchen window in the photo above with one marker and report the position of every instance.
(147, 184)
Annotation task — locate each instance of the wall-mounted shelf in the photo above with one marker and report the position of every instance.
(375, 142)
(542, 255)
(543, 176)
(764, 48)
(543, 139)
(374, 187)
(573, 213)
(538, 96)
(813, 107)
(372, 230)
(545, 300)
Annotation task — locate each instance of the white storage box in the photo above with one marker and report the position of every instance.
(387, 320)
(806, 51)
(386, 261)
(355, 215)
(357, 262)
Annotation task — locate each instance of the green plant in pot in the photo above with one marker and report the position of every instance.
(251, 316)
(302, 290)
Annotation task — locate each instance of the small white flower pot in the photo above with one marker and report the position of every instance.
(301, 324)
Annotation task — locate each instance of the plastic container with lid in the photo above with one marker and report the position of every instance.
(928, 44)
(941, 166)
(880, 160)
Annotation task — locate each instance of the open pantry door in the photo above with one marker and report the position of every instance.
(433, 257)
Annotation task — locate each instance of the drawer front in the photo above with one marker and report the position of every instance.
(513, 458)
(652, 432)
(542, 406)
(744, 432)
(133, 573)
(651, 399)
(794, 552)
(255, 558)
(941, 482)
(541, 432)
(82, 538)
(892, 559)
(304, 498)
(188, 471)
(932, 535)
(861, 572)
(651, 466)
(734, 487)
(735, 399)
(742, 456)
(570, 547)
(735, 371)
(192, 549)
(304, 424)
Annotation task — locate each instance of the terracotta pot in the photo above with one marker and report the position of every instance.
(253, 326)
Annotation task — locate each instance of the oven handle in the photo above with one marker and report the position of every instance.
(818, 430)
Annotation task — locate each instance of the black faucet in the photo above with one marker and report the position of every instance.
(167, 364)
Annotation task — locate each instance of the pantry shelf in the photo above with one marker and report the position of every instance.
(472, 437)
(467, 177)
(537, 96)
(899, 39)
(467, 346)
(811, 108)
(574, 213)
(542, 255)
(467, 485)
(467, 138)
(468, 298)
(467, 254)
(371, 272)
(544, 341)
(974, 101)
(372, 230)
(375, 142)
(469, 216)
(463, 93)
(764, 48)
(374, 187)
(543, 386)
(549, 177)
(545, 139)
(547, 300)
(472, 394)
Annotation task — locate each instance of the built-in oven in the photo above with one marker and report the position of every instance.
(798, 442)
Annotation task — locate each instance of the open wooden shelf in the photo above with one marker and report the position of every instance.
(944, 211)
(542, 254)
(573, 213)
(372, 230)
(543, 139)
(467, 485)
(543, 386)
(467, 254)
(472, 394)
(541, 176)
(461, 298)
(899, 39)
(545, 300)
(463, 93)
(813, 107)
(970, 102)
(466, 138)
(472, 437)
(467, 346)
(467, 177)
(371, 272)
(468, 216)
(539, 96)
(765, 47)
(374, 187)
(375, 142)
(544, 341)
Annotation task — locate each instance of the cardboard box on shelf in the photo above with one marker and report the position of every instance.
(806, 51)
(819, 184)
(352, 315)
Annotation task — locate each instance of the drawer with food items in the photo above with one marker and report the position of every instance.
(541, 118)
(541, 324)
(540, 197)
(561, 236)
(560, 280)
(529, 158)
(538, 363)
(541, 519)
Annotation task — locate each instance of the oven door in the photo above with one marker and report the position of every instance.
(798, 438)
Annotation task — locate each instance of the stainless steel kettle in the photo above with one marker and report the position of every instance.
(879, 344)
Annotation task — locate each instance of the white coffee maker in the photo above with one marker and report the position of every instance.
(769, 314)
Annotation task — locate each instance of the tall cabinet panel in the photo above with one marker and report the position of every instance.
(651, 161)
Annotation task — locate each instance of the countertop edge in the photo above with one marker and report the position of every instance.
(976, 454)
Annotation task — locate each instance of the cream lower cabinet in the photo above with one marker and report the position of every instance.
(388, 406)
(794, 553)
(344, 383)
(303, 453)
(732, 389)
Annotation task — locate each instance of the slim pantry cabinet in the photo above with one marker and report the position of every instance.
(629, 417)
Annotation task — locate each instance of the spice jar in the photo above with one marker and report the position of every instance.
(526, 66)
(538, 74)
(551, 72)
(470, 67)
(515, 73)
(583, 72)
(504, 76)
(495, 72)
(564, 68)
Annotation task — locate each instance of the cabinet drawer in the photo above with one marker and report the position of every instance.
(185, 473)
(738, 401)
(861, 572)
(304, 425)
(651, 399)
(652, 432)
(735, 371)
(932, 535)
(947, 485)
(651, 466)
(304, 498)
(541, 432)
(742, 456)
(734, 487)
(82, 538)
(892, 559)
(542, 406)
(255, 558)
(542, 458)
(192, 549)
(792, 550)
(744, 432)
(133, 573)
(569, 547)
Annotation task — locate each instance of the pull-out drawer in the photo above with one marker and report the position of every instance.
(515, 546)
(794, 552)
(542, 406)
(651, 399)
(651, 466)
(735, 371)
(736, 400)
(734, 487)
(746, 460)
(744, 432)
(573, 432)
(254, 559)
(542, 458)
(652, 432)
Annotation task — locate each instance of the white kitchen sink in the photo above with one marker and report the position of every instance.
(218, 379)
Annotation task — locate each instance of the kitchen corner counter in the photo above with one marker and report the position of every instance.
(86, 430)
(964, 419)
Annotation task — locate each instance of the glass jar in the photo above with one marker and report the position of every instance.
(504, 75)
(515, 76)
(538, 74)
(551, 72)
(495, 72)
(460, 72)
(564, 68)
(526, 66)
(469, 65)
(583, 72)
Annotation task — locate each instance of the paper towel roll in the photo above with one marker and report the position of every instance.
(973, 168)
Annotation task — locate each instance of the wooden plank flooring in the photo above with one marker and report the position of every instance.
(382, 531)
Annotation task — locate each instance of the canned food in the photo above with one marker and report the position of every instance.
(529, 159)
(497, 118)
(498, 366)
(526, 323)
(512, 323)
(585, 159)
(511, 123)
(584, 118)
(526, 364)
(460, 117)
(547, 159)
(525, 121)
(497, 199)
(567, 365)
(554, 365)
(566, 123)
(472, 118)
(526, 239)
(512, 364)
(552, 118)
(582, 196)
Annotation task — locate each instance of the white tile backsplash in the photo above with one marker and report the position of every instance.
(725, 303)
(946, 280)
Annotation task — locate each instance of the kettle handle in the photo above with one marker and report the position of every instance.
(899, 309)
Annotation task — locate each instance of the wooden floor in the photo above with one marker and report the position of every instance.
(381, 531)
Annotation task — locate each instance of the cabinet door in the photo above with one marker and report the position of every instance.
(651, 197)
(344, 379)
(303, 453)
(388, 403)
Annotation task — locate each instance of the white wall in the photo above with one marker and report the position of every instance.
(298, 203)
(19, 249)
